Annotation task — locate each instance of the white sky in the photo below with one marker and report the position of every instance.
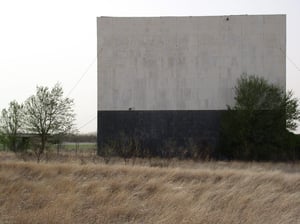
(44, 42)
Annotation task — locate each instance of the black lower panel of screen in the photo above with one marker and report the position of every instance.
(154, 128)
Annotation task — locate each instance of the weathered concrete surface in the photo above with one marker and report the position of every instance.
(185, 63)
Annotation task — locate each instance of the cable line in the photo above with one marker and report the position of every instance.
(84, 74)
(87, 122)
(290, 60)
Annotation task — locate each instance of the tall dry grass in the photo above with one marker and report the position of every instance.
(210, 192)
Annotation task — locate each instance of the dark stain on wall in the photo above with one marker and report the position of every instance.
(153, 128)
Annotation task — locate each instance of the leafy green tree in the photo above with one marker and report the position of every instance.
(48, 113)
(2, 141)
(11, 122)
(255, 128)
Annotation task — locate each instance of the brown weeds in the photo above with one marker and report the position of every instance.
(211, 192)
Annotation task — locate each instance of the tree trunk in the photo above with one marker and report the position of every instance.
(43, 146)
(57, 148)
(38, 155)
(43, 141)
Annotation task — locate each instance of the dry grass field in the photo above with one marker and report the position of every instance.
(183, 192)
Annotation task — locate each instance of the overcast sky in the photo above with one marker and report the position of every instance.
(44, 42)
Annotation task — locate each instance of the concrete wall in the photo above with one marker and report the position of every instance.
(185, 63)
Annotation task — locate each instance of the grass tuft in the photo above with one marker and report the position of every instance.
(208, 192)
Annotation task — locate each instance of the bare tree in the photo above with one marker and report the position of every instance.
(48, 113)
(11, 121)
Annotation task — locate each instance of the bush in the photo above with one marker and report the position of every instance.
(255, 128)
